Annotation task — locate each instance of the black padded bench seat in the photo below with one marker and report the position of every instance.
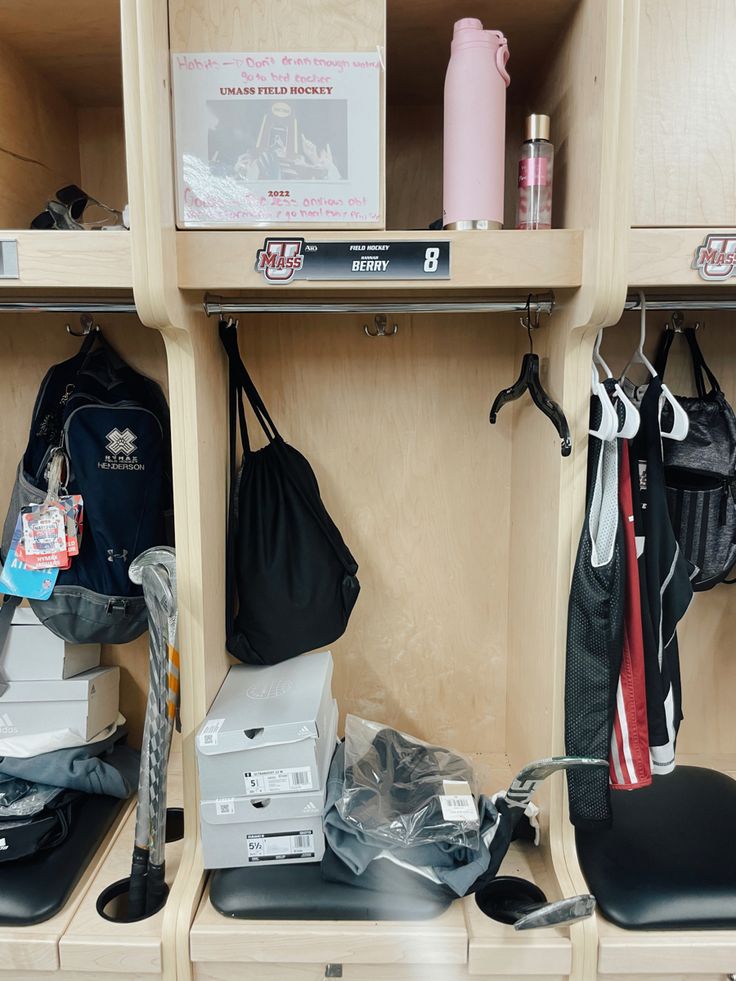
(299, 892)
(34, 889)
(669, 860)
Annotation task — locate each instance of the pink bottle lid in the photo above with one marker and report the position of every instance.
(469, 33)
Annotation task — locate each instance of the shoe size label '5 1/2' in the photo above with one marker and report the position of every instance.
(284, 845)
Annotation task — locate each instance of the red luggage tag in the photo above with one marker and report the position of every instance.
(72, 506)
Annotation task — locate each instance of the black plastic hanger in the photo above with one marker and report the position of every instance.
(528, 380)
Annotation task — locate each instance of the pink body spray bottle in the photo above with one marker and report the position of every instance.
(475, 127)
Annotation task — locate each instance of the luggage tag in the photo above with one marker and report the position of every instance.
(17, 579)
(43, 529)
(72, 506)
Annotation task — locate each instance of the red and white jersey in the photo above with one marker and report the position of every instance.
(629, 763)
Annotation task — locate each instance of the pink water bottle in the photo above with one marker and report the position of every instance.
(475, 127)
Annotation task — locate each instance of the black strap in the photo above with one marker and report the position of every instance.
(699, 364)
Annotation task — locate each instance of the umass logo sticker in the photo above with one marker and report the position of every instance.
(715, 259)
(280, 259)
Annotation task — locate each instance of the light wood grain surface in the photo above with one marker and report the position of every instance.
(353, 972)
(662, 258)
(71, 261)
(443, 940)
(496, 948)
(419, 39)
(508, 260)
(397, 432)
(77, 47)
(685, 124)
(102, 155)
(39, 147)
(92, 945)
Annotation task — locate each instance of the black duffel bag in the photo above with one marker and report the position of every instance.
(288, 569)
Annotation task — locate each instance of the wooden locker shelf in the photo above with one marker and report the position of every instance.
(496, 949)
(83, 260)
(479, 260)
(95, 946)
(36, 948)
(461, 936)
(662, 257)
(215, 938)
(664, 952)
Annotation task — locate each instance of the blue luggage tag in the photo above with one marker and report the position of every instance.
(17, 579)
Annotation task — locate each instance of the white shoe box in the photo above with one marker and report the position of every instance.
(285, 829)
(261, 736)
(86, 704)
(33, 653)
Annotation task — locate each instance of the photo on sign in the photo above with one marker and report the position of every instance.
(286, 141)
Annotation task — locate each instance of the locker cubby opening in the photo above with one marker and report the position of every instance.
(706, 735)
(418, 51)
(32, 343)
(707, 666)
(426, 494)
(61, 113)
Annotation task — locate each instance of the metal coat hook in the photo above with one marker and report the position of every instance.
(529, 323)
(380, 322)
(87, 324)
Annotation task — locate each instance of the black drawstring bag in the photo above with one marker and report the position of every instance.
(288, 568)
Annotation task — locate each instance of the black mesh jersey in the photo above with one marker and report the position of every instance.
(595, 638)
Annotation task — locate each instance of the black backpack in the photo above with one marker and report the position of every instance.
(700, 472)
(291, 573)
(113, 425)
(47, 827)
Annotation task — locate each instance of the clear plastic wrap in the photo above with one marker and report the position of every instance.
(403, 792)
(25, 807)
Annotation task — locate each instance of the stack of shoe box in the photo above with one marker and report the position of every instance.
(49, 688)
(263, 754)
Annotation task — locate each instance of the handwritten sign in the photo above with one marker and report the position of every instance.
(277, 139)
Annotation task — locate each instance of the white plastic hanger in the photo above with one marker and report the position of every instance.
(680, 423)
(632, 419)
(608, 428)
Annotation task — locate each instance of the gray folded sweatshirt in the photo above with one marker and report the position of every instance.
(109, 767)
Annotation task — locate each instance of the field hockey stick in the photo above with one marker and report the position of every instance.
(525, 783)
(159, 588)
(140, 861)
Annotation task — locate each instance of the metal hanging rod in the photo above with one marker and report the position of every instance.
(67, 306)
(692, 301)
(537, 303)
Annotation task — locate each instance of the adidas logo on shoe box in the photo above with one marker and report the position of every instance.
(278, 820)
(266, 730)
(86, 704)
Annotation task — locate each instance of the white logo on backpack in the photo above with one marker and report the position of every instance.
(121, 447)
(3, 845)
(124, 442)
